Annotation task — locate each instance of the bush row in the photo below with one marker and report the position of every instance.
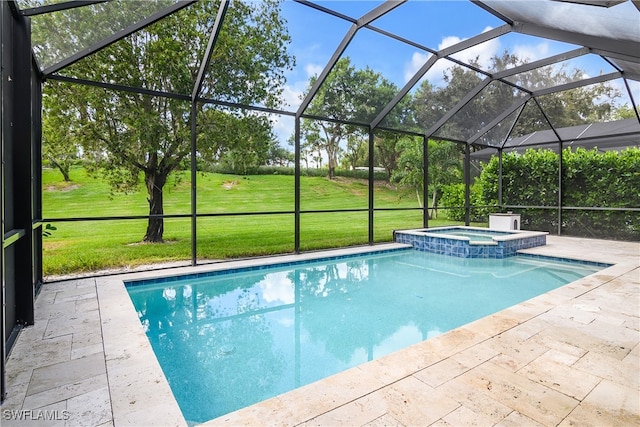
(590, 179)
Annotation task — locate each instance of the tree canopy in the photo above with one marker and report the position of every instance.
(347, 95)
(567, 108)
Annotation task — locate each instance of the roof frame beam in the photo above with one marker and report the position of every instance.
(215, 31)
(401, 39)
(620, 47)
(403, 92)
(117, 36)
(424, 48)
(327, 69)
(326, 10)
(553, 129)
(633, 101)
(475, 40)
(615, 55)
(501, 75)
(546, 91)
(529, 66)
(579, 83)
(366, 19)
(443, 53)
(517, 104)
(459, 106)
(492, 11)
(119, 87)
(512, 127)
(57, 7)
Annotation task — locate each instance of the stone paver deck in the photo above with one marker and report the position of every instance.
(568, 357)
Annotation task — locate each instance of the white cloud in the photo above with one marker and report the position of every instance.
(277, 287)
(404, 336)
(624, 99)
(313, 69)
(483, 52)
(634, 85)
(530, 53)
(411, 68)
(284, 126)
(449, 41)
(436, 73)
(292, 94)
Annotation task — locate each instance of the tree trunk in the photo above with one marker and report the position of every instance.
(64, 169)
(418, 195)
(434, 206)
(331, 163)
(155, 228)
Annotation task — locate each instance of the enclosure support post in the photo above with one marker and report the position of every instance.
(17, 187)
(560, 147)
(20, 158)
(36, 147)
(500, 204)
(467, 184)
(296, 227)
(3, 338)
(194, 198)
(197, 87)
(371, 186)
(425, 181)
(555, 132)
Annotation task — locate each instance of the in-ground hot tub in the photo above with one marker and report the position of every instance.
(470, 242)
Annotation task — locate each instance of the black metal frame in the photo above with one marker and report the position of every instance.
(21, 263)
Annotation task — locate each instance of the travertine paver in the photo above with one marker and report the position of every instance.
(568, 357)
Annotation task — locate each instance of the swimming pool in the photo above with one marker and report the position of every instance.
(231, 339)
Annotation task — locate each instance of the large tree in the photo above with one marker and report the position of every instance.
(129, 134)
(347, 95)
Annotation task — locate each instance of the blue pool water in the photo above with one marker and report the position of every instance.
(474, 237)
(230, 340)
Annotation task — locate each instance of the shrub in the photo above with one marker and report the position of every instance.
(590, 179)
(453, 200)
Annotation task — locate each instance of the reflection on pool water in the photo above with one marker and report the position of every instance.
(230, 340)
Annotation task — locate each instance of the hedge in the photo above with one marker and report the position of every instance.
(590, 179)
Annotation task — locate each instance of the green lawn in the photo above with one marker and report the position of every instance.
(89, 245)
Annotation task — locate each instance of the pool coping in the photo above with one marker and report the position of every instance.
(141, 395)
(509, 234)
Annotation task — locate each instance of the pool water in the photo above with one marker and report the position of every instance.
(474, 237)
(230, 340)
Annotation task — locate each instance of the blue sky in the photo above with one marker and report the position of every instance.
(436, 24)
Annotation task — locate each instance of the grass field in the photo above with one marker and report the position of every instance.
(91, 244)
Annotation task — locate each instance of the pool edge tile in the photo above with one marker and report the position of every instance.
(133, 388)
